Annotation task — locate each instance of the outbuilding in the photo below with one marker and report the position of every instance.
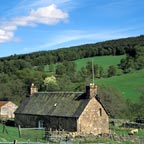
(7, 109)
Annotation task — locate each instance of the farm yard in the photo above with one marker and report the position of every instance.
(30, 136)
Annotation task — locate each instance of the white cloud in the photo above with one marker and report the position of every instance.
(5, 35)
(49, 15)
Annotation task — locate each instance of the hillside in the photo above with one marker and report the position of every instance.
(104, 61)
(129, 85)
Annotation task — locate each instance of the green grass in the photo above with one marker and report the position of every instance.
(114, 131)
(10, 136)
(129, 85)
(13, 134)
(104, 61)
(125, 131)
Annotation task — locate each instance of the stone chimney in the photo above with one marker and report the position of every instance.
(91, 91)
(33, 89)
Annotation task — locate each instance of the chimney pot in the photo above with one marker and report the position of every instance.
(91, 90)
(33, 89)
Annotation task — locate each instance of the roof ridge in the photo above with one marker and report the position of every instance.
(60, 92)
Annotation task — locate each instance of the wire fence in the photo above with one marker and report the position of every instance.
(32, 133)
(42, 134)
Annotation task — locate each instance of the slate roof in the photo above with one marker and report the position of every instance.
(64, 104)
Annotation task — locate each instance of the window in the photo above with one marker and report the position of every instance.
(100, 112)
(40, 124)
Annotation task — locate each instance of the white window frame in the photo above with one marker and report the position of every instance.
(40, 124)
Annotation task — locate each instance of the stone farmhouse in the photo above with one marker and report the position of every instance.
(70, 111)
(7, 109)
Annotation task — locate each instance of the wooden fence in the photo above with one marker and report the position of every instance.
(27, 142)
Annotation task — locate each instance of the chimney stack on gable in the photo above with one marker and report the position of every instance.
(91, 90)
(33, 89)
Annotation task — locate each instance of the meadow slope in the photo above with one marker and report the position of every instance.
(130, 85)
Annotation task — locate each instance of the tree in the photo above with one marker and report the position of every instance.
(50, 83)
(51, 67)
(60, 69)
(65, 83)
(134, 59)
(111, 71)
(70, 67)
(83, 73)
(112, 101)
(92, 68)
(101, 71)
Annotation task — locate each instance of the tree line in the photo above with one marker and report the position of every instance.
(111, 47)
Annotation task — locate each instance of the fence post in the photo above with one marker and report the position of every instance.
(19, 130)
(4, 129)
(15, 141)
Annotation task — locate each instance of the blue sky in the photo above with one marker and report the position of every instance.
(35, 25)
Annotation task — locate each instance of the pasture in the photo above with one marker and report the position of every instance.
(104, 61)
(117, 134)
(10, 135)
(129, 85)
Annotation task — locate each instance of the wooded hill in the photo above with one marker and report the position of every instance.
(17, 72)
(111, 47)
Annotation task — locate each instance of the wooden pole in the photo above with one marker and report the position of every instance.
(19, 130)
(4, 129)
(15, 141)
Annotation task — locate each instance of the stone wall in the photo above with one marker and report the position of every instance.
(94, 119)
(133, 125)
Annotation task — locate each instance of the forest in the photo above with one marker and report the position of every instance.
(18, 72)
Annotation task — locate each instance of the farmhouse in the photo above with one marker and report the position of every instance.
(69, 111)
(7, 109)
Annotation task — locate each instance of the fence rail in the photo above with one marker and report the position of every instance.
(27, 142)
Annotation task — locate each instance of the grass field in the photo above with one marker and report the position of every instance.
(11, 133)
(14, 135)
(104, 61)
(129, 85)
